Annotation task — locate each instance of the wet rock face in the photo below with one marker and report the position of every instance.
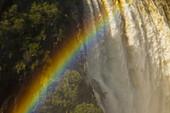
(130, 59)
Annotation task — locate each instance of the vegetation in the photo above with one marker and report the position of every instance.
(87, 108)
(30, 31)
(26, 40)
(67, 96)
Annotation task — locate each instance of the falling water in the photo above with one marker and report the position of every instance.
(128, 63)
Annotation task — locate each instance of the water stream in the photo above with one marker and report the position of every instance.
(129, 65)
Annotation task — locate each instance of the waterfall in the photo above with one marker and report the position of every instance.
(128, 64)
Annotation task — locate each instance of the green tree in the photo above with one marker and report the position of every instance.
(66, 96)
(30, 31)
(27, 38)
(87, 108)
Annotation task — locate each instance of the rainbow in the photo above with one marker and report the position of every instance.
(60, 60)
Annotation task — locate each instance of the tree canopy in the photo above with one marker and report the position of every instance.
(70, 94)
(30, 32)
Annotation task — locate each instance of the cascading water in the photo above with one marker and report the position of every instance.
(128, 63)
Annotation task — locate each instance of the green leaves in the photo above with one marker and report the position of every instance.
(29, 35)
(27, 38)
(87, 108)
(24, 34)
(20, 66)
(67, 88)
(66, 97)
(12, 12)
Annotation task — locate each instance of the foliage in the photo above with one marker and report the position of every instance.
(24, 34)
(30, 31)
(65, 96)
(27, 38)
(87, 108)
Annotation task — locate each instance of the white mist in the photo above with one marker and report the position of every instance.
(129, 66)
